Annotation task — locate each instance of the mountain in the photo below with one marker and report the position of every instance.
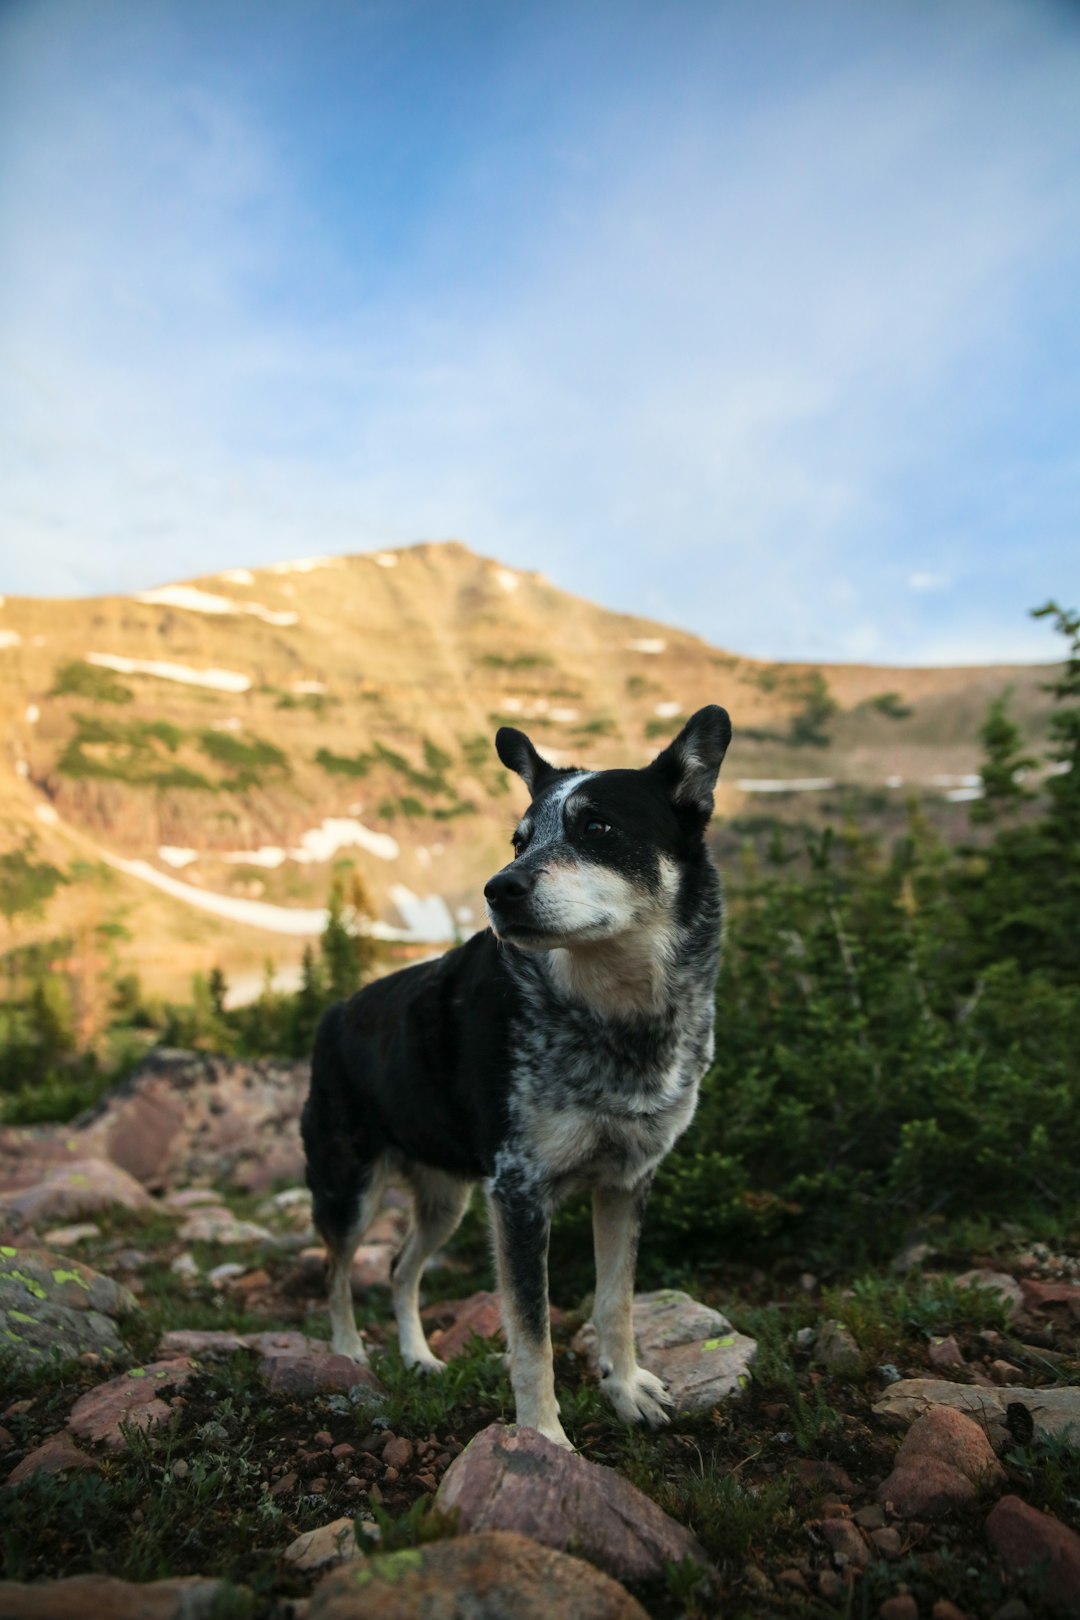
(187, 765)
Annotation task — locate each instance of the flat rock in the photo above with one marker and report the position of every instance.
(511, 1478)
(944, 1461)
(489, 1576)
(95, 1597)
(49, 1302)
(185, 1198)
(691, 1346)
(1025, 1539)
(333, 1543)
(291, 1363)
(69, 1191)
(1053, 1411)
(57, 1455)
(66, 1237)
(217, 1225)
(134, 1398)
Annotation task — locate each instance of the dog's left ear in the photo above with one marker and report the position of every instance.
(690, 765)
(518, 754)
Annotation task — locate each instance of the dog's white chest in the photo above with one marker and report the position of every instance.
(584, 1145)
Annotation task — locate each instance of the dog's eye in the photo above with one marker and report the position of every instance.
(595, 828)
(518, 842)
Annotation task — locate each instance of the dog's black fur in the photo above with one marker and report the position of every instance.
(560, 1049)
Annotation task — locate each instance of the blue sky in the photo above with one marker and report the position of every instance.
(761, 320)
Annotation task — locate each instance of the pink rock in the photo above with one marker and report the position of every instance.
(305, 1376)
(56, 1456)
(943, 1462)
(479, 1314)
(1038, 1295)
(93, 1597)
(901, 1607)
(496, 1573)
(1007, 1289)
(846, 1541)
(945, 1353)
(202, 1342)
(1024, 1538)
(511, 1478)
(135, 1397)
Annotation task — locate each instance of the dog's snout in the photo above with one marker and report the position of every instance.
(506, 887)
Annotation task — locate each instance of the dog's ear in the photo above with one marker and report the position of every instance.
(518, 754)
(690, 765)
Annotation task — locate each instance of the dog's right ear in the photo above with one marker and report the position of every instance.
(518, 754)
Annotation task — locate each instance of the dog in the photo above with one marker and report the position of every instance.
(561, 1049)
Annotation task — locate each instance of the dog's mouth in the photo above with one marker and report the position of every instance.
(546, 937)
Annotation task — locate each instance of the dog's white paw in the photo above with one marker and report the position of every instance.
(428, 1363)
(352, 1346)
(556, 1433)
(641, 1398)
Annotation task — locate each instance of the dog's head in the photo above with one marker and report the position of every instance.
(599, 853)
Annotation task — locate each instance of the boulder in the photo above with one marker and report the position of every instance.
(473, 1577)
(72, 1190)
(87, 1597)
(944, 1461)
(511, 1478)
(135, 1397)
(181, 1118)
(49, 1302)
(691, 1346)
(1028, 1541)
(1054, 1411)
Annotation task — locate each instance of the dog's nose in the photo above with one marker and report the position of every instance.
(506, 887)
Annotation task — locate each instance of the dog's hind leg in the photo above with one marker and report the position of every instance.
(638, 1396)
(439, 1202)
(342, 1222)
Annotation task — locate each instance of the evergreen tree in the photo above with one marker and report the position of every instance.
(1003, 767)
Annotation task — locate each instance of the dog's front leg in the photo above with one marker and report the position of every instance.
(638, 1396)
(522, 1228)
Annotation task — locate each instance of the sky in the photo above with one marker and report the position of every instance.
(757, 320)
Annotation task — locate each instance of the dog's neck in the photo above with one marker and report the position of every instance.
(627, 977)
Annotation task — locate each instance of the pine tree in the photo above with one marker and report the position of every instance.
(338, 947)
(1003, 767)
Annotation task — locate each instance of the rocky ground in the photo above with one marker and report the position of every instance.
(176, 1439)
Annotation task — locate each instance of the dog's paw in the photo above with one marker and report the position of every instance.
(352, 1346)
(641, 1398)
(556, 1433)
(428, 1363)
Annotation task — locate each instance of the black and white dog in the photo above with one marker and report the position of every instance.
(559, 1050)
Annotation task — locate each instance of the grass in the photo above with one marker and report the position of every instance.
(79, 679)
